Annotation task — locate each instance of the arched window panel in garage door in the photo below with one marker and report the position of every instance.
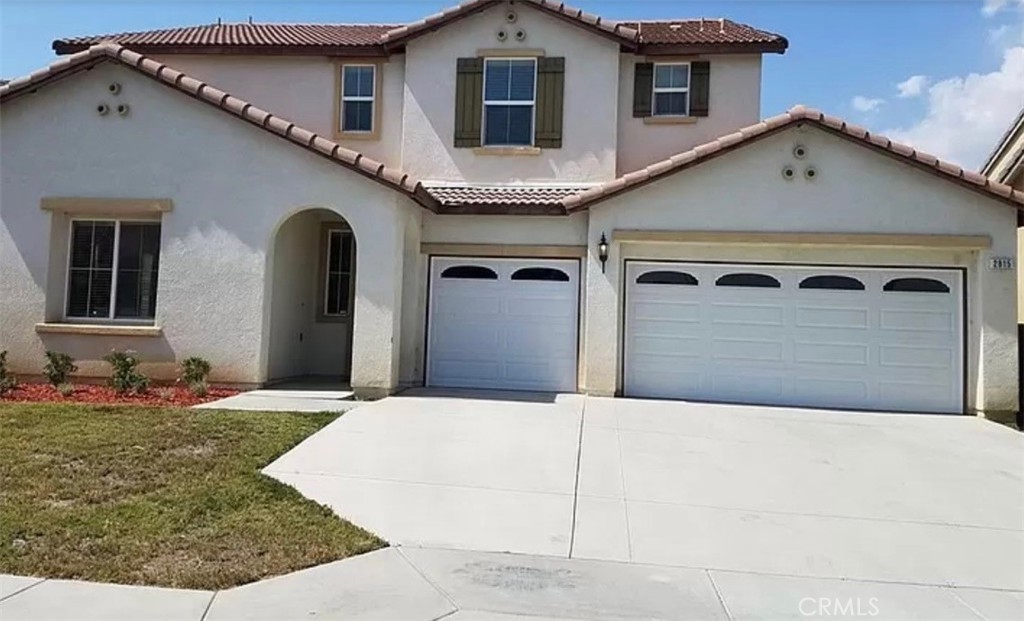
(470, 272)
(763, 281)
(916, 285)
(667, 277)
(548, 274)
(832, 282)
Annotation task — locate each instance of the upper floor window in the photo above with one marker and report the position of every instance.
(510, 86)
(358, 84)
(671, 89)
(112, 269)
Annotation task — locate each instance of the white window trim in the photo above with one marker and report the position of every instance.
(502, 102)
(110, 318)
(669, 89)
(327, 274)
(361, 98)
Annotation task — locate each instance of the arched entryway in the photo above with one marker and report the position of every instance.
(312, 290)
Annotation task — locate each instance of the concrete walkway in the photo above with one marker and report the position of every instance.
(929, 500)
(418, 584)
(296, 396)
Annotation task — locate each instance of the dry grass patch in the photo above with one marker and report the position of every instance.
(160, 496)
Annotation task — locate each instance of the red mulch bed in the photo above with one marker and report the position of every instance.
(87, 393)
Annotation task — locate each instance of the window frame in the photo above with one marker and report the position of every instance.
(340, 99)
(655, 89)
(111, 318)
(485, 102)
(324, 275)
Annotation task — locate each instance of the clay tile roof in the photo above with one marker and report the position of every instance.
(705, 32)
(658, 36)
(591, 21)
(111, 52)
(796, 115)
(302, 37)
(536, 199)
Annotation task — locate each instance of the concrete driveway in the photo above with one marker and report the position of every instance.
(924, 500)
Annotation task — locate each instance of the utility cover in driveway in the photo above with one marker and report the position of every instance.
(503, 323)
(878, 339)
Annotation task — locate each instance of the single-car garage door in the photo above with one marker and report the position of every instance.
(862, 338)
(503, 323)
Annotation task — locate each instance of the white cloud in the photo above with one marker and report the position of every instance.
(912, 86)
(861, 103)
(991, 7)
(965, 116)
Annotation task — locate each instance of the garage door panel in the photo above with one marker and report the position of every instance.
(831, 353)
(843, 343)
(825, 317)
(517, 330)
(675, 312)
(917, 320)
(750, 350)
(748, 314)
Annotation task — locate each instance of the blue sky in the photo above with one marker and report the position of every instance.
(845, 57)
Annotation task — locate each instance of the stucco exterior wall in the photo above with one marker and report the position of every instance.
(232, 185)
(735, 102)
(856, 191)
(302, 89)
(591, 86)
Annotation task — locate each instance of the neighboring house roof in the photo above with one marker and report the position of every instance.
(665, 36)
(1009, 148)
(795, 116)
(106, 52)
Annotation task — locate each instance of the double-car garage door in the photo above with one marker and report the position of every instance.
(862, 338)
(879, 339)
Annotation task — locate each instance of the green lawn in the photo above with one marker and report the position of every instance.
(159, 496)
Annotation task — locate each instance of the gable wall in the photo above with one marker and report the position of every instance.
(856, 191)
(232, 185)
(591, 96)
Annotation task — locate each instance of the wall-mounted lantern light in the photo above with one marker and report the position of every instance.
(602, 251)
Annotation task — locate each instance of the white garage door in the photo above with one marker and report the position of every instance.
(877, 339)
(503, 323)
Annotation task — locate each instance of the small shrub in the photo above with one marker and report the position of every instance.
(165, 394)
(199, 389)
(194, 370)
(126, 377)
(7, 379)
(59, 368)
(65, 389)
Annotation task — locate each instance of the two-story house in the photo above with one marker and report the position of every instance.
(508, 195)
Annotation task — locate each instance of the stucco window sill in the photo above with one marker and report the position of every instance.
(507, 150)
(670, 120)
(374, 135)
(98, 329)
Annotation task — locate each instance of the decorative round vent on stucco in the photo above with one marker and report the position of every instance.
(114, 88)
(102, 109)
(123, 109)
(520, 35)
(501, 34)
(811, 173)
(511, 17)
(799, 151)
(788, 173)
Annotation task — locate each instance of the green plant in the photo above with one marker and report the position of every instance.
(126, 376)
(7, 379)
(165, 394)
(194, 370)
(199, 389)
(65, 389)
(59, 368)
